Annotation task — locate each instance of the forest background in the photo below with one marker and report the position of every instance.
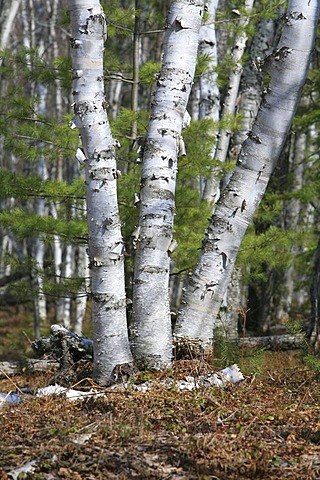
(44, 267)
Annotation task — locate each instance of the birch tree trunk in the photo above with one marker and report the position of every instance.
(135, 69)
(252, 82)
(81, 300)
(292, 219)
(208, 97)
(248, 102)
(211, 190)
(105, 244)
(151, 324)
(287, 69)
(6, 24)
(314, 329)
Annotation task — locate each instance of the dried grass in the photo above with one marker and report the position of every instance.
(267, 427)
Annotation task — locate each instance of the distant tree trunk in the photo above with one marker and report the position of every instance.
(287, 68)
(209, 94)
(151, 324)
(105, 246)
(81, 300)
(135, 69)
(67, 297)
(38, 248)
(209, 99)
(115, 89)
(314, 329)
(7, 22)
(212, 190)
(291, 221)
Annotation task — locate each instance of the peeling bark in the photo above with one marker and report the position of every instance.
(287, 69)
(151, 325)
(212, 190)
(209, 96)
(105, 245)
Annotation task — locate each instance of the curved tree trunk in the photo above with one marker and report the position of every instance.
(287, 68)
(105, 246)
(249, 99)
(151, 325)
(252, 83)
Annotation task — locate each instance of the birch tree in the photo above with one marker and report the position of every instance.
(212, 190)
(7, 22)
(314, 328)
(209, 95)
(105, 244)
(151, 325)
(287, 70)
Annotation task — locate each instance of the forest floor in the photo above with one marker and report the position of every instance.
(267, 427)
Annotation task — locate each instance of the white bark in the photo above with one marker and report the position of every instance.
(136, 54)
(287, 68)
(6, 27)
(38, 247)
(151, 325)
(52, 6)
(81, 300)
(209, 100)
(57, 256)
(105, 246)
(211, 190)
(251, 83)
(247, 104)
(6, 248)
(208, 95)
(115, 95)
(68, 271)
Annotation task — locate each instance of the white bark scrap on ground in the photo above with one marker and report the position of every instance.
(229, 375)
(22, 471)
(223, 378)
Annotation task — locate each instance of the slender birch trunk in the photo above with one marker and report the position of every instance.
(135, 68)
(209, 97)
(6, 26)
(208, 89)
(68, 271)
(211, 190)
(251, 85)
(151, 325)
(105, 245)
(287, 69)
(292, 220)
(248, 102)
(81, 300)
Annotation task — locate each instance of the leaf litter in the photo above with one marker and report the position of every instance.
(267, 426)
